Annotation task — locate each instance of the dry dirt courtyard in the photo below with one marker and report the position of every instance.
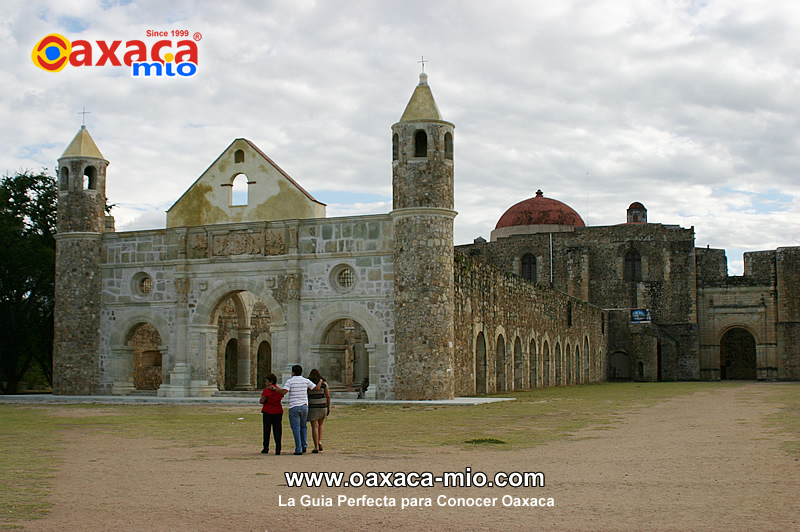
(706, 461)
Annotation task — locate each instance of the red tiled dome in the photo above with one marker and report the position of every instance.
(540, 211)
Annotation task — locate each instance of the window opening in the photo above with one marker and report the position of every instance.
(420, 144)
(239, 190)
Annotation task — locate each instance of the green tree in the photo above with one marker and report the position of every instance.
(27, 275)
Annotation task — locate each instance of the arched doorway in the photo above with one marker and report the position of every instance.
(480, 364)
(534, 376)
(144, 339)
(737, 355)
(500, 365)
(343, 356)
(264, 363)
(546, 365)
(559, 368)
(619, 367)
(519, 365)
(568, 355)
(231, 363)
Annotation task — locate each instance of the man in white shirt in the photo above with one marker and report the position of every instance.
(298, 387)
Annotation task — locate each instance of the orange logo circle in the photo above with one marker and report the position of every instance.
(52, 53)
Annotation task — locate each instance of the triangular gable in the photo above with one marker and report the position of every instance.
(271, 193)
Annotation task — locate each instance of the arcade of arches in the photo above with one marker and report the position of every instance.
(532, 368)
(244, 346)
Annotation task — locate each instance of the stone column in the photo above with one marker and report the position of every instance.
(243, 374)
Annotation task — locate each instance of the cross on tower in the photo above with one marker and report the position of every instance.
(423, 62)
(84, 113)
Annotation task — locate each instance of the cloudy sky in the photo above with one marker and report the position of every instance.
(689, 107)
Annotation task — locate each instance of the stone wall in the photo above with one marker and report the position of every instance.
(501, 305)
(589, 264)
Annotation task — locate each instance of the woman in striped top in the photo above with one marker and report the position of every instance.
(319, 407)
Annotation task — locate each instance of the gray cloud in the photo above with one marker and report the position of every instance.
(687, 107)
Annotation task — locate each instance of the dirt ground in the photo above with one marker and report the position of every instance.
(701, 462)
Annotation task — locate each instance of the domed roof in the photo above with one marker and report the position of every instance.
(540, 211)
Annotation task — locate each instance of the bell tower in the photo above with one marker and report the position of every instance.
(422, 216)
(81, 222)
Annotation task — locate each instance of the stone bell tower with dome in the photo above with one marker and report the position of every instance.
(78, 287)
(422, 216)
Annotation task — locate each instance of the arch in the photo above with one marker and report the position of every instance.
(578, 368)
(480, 364)
(500, 364)
(619, 366)
(738, 355)
(519, 365)
(344, 358)
(147, 357)
(587, 368)
(124, 325)
(448, 146)
(342, 310)
(639, 371)
(63, 178)
(633, 266)
(420, 143)
(533, 381)
(231, 364)
(238, 156)
(528, 267)
(546, 364)
(557, 354)
(568, 370)
(90, 178)
(210, 299)
(239, 190)
(395, 147)
(263, 363)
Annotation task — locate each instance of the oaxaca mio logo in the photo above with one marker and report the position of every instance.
(167, 58)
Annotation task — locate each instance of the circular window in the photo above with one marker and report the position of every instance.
(343, 278)
(142, 284)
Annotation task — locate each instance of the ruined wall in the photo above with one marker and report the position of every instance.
(499, 304)
(788, 288)
(589, 264)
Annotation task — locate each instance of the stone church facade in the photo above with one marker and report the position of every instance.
(250, 277)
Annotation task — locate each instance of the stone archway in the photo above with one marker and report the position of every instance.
(519, 365)
(559, 364)
(480, 364)
(737, 355)
(533, 380)
(500, 365)
(546, 363)
(231, 364)
(263, 363)
(343, 354)
(147, 356)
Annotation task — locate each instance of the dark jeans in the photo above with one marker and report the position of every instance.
(272, 421)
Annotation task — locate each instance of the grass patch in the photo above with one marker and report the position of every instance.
(27, 462)
(485, 441)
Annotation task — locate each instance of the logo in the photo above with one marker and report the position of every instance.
(52, 53)
(164, 57)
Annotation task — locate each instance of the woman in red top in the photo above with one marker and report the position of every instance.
(272, 412)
